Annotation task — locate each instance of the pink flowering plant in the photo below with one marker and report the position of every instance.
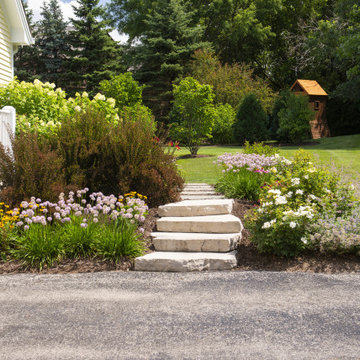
(244, 174)
(295, 198)
(75, 227)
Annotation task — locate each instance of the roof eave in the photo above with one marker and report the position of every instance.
(19, 27)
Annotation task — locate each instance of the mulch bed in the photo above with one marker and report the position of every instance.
(189, 156)
(248, 257)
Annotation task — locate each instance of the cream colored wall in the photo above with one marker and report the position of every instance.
(6, 62)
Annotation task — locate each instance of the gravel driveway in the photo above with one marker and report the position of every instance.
(219, 315)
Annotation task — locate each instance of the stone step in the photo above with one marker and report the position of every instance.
(220, 224)
(197, 208)
(201, 187)
(197, 192)
(170, 241)
(197, 184)
(185, 261)
(201, 197)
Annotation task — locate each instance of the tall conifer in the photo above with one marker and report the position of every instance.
(26, 59)
(51, 43)
(170, 38)
(94, 55)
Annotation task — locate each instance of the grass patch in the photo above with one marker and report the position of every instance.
(343, 152)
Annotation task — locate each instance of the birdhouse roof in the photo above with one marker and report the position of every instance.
(311, 87)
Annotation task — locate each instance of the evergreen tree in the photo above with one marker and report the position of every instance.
(94, 55)
(251, 121)
(51, 43)
(26, 59)
(169, 39)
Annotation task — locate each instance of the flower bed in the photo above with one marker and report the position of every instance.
(301, 206)
(105, 227)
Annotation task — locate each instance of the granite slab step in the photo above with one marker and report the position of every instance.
(220, 224)
(197, 208)
(197, 192)
(201, 197)
(202, 187)
(194, 242)
(185, 261)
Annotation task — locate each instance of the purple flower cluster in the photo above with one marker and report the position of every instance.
(252, 162)
(99, 208)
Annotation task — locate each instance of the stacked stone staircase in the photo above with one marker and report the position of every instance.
(197, 233)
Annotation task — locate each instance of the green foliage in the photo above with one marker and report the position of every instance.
(117, 240)
(222, 131)
(94, 56)
(251, 121)
(279, 104)
(294, 119)
(296, 196)
(117, 157)
(39, 246)
(231, 83)
(124, 89)
(51, 43)
(26, 59)
(166, 44)
(194, 104)
(40, 107)
(34, 169)
(260, 149)
(243, 184)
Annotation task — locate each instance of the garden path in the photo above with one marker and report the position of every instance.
(195, 234)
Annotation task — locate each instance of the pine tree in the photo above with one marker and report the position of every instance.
(94, 55)
(170, 38)
(51, 43)
(26, 59)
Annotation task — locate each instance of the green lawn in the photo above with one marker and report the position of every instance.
(342, 152)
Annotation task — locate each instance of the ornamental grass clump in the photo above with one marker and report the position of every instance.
(295, 198)
(79, 226)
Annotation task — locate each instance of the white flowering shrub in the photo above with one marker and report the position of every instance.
(296, 196)
(41, 107)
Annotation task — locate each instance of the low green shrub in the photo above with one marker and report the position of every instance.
(260, 149)
(90, 151)
(295, 198)
(33, 169)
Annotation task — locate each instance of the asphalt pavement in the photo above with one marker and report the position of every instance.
(209, 315)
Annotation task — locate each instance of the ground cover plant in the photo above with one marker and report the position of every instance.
(40, 233)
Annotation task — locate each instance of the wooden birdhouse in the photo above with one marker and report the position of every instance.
(317, 102)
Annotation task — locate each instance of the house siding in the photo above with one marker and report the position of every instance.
(6, 64)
